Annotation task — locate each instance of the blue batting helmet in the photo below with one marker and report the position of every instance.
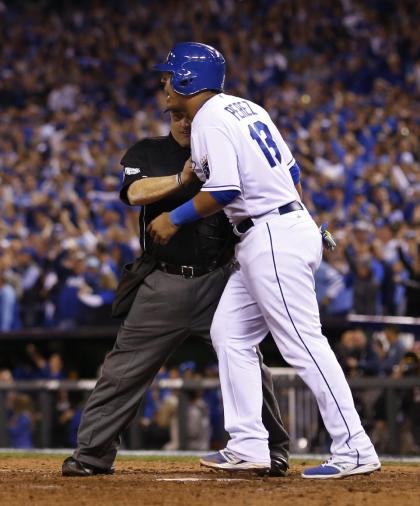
(194, 67)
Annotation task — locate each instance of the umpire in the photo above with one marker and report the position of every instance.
(175, 300)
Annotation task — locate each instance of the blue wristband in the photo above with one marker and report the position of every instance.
(184, 214)
(295, 173)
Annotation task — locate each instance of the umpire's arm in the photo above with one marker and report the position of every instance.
(150, 189)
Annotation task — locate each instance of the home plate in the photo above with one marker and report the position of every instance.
(201, 479)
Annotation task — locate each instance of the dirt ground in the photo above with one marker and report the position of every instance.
(36, 480)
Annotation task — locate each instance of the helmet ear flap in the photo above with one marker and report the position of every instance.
(182, 81)
(186, 81)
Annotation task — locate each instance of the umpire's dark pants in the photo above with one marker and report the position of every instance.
(167, 309)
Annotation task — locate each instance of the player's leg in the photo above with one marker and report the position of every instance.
(280, 276)
(208, 293)
(238, 327)
(155, 326)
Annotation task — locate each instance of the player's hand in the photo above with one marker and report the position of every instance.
(187, 174)
(161, 229)
(327, 238)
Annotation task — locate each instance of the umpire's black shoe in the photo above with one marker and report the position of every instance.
(279, 467)
(73, 467)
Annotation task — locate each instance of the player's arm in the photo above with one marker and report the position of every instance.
(295, 173)
(327, 238)
(151, 189)
(162, 228)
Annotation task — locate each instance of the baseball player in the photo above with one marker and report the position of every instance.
(248, 170)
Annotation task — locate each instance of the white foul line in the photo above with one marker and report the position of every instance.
(201, 479)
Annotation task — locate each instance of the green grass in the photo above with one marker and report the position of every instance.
(4, 455)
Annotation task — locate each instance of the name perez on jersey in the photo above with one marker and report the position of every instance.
(240, 110)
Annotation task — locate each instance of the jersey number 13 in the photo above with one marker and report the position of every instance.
(257, 131)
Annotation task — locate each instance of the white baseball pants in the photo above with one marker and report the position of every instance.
(273, 290)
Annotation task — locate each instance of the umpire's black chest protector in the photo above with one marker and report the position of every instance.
(204, 242)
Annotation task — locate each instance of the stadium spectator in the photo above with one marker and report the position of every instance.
(6, 377)
(20, 419)
(33, 365)
(198, 422)
(409, 366)
(357, 355)
(198, 417)
(9, 318)
(408, 410)
(159, 421)
(68, 415)
(333, 295)
(97, 292)
(213, 398)
(395, 352)
(412, 282)
(158, 412)
(51, 368)
(30, 278)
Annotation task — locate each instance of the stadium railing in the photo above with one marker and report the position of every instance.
(297, 404)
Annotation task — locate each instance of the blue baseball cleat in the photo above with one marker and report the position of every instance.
(335, 467)
(225, 460)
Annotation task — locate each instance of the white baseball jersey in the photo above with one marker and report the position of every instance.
(236, 146)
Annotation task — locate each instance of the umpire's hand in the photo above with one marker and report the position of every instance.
(161, 229)
(188, 175)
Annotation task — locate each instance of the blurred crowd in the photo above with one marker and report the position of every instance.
(340, 79)
(156, 425)
(23, 410)
(203, 425)
(389, 353)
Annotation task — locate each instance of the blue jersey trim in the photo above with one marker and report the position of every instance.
(224, 197)
(295, 173)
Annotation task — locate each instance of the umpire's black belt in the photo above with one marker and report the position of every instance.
(186, 271)
(246, 224)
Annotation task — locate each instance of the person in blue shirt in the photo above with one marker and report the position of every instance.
(20, 423)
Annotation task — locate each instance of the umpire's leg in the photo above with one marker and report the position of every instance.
(278, 438)
(155, 326)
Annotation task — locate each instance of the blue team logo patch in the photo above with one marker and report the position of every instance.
(205, 166)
